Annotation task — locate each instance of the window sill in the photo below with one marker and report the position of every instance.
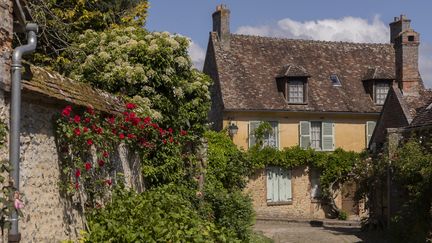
(279, 203)
(293, 103)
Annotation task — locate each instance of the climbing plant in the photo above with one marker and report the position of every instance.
(334, 167)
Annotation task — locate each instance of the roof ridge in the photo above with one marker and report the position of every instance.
(311, 40)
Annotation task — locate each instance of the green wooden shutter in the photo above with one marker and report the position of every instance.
(272, 184)
(304, 130)
(327, 136)
(285, 185)
(370, 127)
(252, 126)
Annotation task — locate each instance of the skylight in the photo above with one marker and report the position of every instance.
(335, 80)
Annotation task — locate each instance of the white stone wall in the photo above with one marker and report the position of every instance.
(49, 216)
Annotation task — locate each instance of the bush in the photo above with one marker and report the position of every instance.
(164, 214)
(343, 215)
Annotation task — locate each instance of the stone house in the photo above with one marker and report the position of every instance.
(318, 94)
(49, 216)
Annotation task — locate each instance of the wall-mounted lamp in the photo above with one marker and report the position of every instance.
(232, 129)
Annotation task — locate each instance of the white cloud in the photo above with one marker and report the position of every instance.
(197, 54)
(352, 29)
(425, 64)
(345, 29)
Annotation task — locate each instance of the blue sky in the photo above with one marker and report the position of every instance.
(347, 20)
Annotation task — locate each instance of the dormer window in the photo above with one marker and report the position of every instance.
(292, 83)
(296, 91)
(381, 89)
(377, 83)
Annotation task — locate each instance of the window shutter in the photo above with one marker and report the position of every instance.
(269, 184)
(285, 185)
(272, 184)
(305, 138)
(328, 136)
(370, 127)
(252, 126)
(315, 184)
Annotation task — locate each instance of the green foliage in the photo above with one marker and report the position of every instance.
(226, 163)
(153, 67)
(232, 211)
(6, 204)
(343, 215)
(261, 131)
(334, 166)
(61, 22)
(164, 214)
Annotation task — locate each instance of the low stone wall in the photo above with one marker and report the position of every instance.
(302, 206)
(48, 216)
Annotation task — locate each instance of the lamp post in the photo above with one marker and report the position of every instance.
(232, 130)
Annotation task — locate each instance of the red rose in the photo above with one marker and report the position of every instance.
(77, 173)
(67, 110)
(164, 141)
(121, 136)
(77, 119)
(77, 185)
(108, 182)
(111, 120)
(130, 106)
(85, 129)
(114, 131)
(90, 110)
(77, 131)
(101, 163)
(147, 120)
(105, 154)
(98, 130)
(89, 141)
(183, 132)
(87, 120)
(171, 140)
(88, 166)
(131, 136)
(170, 130)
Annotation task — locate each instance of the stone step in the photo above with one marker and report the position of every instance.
(354, 224)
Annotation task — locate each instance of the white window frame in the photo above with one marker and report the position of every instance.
(269, 188)
(380, 102)
(322, 135)
(270, 121)
(297, 83)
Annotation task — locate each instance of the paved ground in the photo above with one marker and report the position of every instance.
(305, 233)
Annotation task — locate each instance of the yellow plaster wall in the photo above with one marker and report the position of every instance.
(350, 130)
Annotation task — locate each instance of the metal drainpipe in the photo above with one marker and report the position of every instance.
(15, 116)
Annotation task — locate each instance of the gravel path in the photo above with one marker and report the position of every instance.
(305, 233)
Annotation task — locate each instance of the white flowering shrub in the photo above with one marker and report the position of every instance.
(152, 68)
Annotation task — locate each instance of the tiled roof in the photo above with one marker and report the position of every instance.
(50, 84)
(378, 73)
(422, 109)
(248, 68)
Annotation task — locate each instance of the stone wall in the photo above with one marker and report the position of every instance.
(6, 31)
(49, 216)
(302, 205)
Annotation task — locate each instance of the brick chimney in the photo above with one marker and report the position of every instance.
(406, 44)
(221, 24)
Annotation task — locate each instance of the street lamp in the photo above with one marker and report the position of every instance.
(232, 129)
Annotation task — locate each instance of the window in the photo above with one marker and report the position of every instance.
(315, 184)
(370, 127)
(410, 38)
(296, 91)
(381, 90)
(335, 80)
(271, 139)
(317, 135)
(278, 185)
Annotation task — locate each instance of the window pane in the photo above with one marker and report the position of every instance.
(381, 90)
(295, 92)
(315, 184)
(316, 135)
(272, 138)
